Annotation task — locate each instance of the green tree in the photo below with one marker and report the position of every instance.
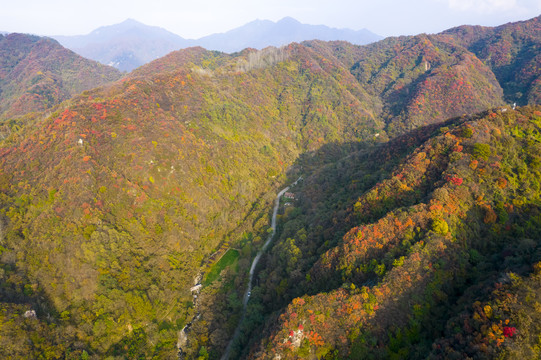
(481, 151)
(440, 226)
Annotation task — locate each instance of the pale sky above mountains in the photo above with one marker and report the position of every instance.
(194, 19)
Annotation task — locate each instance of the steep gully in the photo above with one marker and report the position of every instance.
(248, 292)
(183, 334)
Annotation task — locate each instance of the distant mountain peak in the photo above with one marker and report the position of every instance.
(289, 20)
(111, 44)
(126, 45)
(126, 25)
(259, 34)
(131, 21)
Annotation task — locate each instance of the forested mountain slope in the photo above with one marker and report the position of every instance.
(513, 53)
(113, 205)
(37, 73)
(127, 189)
(440, 257)
(420, 80)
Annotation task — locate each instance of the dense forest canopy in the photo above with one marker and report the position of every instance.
(37, 73)
(413, 233)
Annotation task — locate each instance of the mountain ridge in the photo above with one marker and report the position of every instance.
(131, 44)
(262, 33)
(37, 73)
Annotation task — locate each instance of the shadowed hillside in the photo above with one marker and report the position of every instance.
(438, 256)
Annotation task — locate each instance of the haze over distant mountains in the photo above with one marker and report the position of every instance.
(131, 44)
(262, 33)
(125, 46)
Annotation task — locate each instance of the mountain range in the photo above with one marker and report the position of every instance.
(413, 232)
(259, 34)
(131, 44)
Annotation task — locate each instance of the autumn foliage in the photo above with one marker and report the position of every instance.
(412, 234)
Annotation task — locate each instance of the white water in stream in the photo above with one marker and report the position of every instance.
(227, 352)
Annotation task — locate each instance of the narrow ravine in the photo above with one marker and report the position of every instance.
(248, 292)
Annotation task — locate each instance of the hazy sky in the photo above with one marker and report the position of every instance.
(196, 18)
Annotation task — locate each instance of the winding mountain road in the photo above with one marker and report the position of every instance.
(248, 292)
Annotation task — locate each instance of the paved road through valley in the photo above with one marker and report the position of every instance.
(248, 292)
